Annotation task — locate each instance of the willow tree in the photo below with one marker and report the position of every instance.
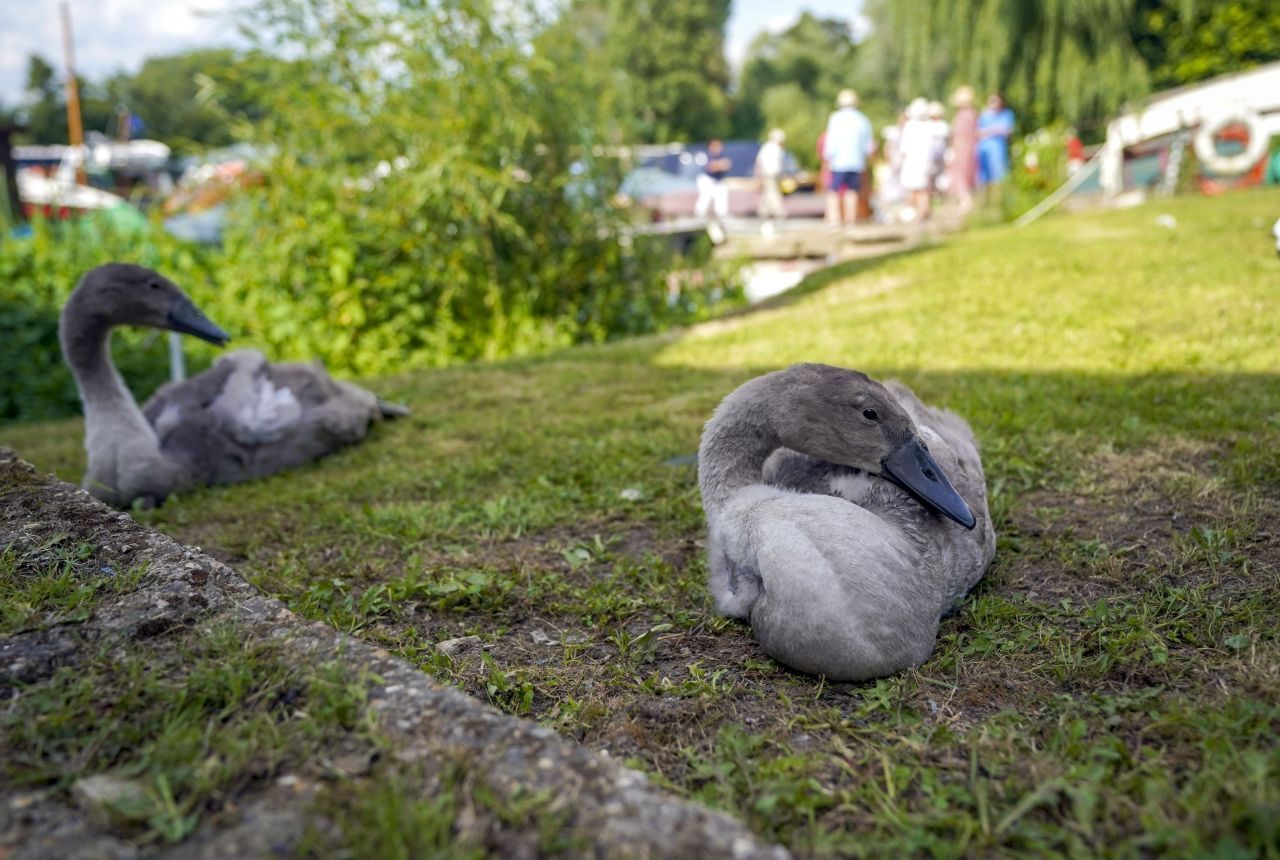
(1055, 59)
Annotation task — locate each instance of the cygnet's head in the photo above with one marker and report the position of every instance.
(846, 417)
(125, 294)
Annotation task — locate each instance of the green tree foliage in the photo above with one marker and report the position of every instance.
(44, 110)
(667, 61)
(187, 100)
(439, 192)
(195, 98)
(1070, 59)
(1185, 41)
(790, 80)
(800, 115)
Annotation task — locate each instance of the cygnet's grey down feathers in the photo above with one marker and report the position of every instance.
(840, 571)
(246, 418)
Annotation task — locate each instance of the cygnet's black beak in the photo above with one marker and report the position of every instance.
(912, 468)
(186, 318)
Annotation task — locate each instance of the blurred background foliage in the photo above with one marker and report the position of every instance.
(429, 201)
(664, 61)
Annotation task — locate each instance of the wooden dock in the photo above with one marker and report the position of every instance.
(818, 240)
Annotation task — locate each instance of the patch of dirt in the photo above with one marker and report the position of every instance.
(664, 704)
(1134, 511)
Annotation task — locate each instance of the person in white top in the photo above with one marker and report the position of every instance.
(770, 164)
(916, 156)
(713, 194)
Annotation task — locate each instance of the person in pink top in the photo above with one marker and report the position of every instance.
(824, 180)
(964, 147)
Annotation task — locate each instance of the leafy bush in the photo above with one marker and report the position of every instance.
(440, 192)
(1038, 166)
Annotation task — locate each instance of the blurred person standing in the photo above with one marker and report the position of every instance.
(995, 127)
(916, 149)
(712, 193)
(938, 180)
(1075, 151)
(889, 189)
(964, 147)
(770, 165)
(848, 143)
(824, 171)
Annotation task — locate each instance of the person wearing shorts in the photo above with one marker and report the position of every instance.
(846, 180)
(847, 144)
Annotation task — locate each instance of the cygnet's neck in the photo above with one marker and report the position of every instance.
(738, 439)
(109, 407)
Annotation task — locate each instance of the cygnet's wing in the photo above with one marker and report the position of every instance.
(246, 418)
(330, 408)
(175, 402)
(796, 471)
(252, 409)
(835, 589)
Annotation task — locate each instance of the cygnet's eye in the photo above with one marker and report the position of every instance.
(871, 415)
(155, 285)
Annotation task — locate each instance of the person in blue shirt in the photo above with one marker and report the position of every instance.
(995, 127)
(847, 145)
(713, 194)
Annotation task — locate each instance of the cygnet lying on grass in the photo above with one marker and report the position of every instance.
(243, 418)
(834, 526)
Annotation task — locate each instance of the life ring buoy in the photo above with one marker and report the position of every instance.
(1255, 147)
(1214, 187)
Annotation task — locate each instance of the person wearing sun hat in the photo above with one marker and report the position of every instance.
(847, 144)
(915, 153)
(964, 147)
(771, 162)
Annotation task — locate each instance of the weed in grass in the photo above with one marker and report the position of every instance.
(193, 719)
(54, 583)
(395, 818)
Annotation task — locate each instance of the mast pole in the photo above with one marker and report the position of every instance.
(74, 125)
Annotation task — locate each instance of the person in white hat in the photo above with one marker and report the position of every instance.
(848, 143)
(770, 165)
(916, 150)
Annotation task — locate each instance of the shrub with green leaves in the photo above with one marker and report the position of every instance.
(439, 192)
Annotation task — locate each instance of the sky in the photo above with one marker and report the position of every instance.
(111, 35)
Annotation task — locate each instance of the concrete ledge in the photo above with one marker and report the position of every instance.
(608, 810)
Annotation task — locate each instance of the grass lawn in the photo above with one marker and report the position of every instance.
(1112, 686)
